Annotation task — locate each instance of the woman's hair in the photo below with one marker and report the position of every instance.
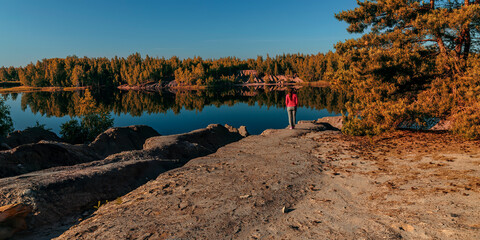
(291, 91)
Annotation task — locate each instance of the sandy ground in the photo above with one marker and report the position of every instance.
(307, 183)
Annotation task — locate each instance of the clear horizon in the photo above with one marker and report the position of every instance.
(34, 30)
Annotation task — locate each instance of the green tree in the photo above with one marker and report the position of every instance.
(4, 76)
(78, 76)
(87, 130)
(6, 124)
(87, 104)
(13, 74)
(443, 27)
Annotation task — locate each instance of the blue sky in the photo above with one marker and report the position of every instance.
(31, 30)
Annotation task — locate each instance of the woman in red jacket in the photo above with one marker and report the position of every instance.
(291, 101)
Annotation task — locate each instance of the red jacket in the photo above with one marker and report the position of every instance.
(291, 101)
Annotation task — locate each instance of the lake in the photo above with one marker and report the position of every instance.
(175, 112)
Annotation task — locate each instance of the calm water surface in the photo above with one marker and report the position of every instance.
(171, 113)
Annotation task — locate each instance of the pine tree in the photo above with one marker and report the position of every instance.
(406, 46)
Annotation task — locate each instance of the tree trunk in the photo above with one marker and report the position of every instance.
(465, 39)
(441, 45)
(468, 42)
(443, 52)
(432, 4)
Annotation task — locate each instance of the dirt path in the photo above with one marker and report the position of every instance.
(306, 184)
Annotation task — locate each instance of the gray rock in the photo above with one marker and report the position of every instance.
(30, 135)
(442, 125)
(202, 141)
(61, 192)
(242, 130)
(58, 192)
(119, 139)
(172, 147)
(36, 156)
(12, 219)
(335, 122)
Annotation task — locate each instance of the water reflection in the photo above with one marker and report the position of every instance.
(174, 112)
(136, 103)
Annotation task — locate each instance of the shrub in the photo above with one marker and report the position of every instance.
(6, 124)
(467, 122)
(40, 126)
(71, 132)
(87, 130)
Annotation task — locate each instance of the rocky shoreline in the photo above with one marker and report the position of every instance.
(57, 181)
(216, 183)
(247, 78)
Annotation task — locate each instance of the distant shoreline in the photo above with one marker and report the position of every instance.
(155, 87)
(39, 89)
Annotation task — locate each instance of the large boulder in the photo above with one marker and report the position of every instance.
(242, 130)
(173, 147)
(64, 191)
(12, 219)
(336, 122)
(442, 125)
(36, 156)
(195, 143)
(119, 139)
(30, 135)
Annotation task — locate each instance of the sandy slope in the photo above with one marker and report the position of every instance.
(307, 184)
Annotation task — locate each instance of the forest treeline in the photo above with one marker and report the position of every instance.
(73, 71)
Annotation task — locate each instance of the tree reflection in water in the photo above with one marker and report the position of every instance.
(136, 103)
(174, 112)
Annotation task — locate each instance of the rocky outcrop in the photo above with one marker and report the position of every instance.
(46, 154)
(30, 135)
(243, 73)
(242, 130)
(250, 77)
(336, 122)
(195, 143)
(442, 125)
(302, 184)
(149, 86)
(119, 139)
(223, 195)
(36, 156)
(242, 78)
(12, 219)
(58, 192)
